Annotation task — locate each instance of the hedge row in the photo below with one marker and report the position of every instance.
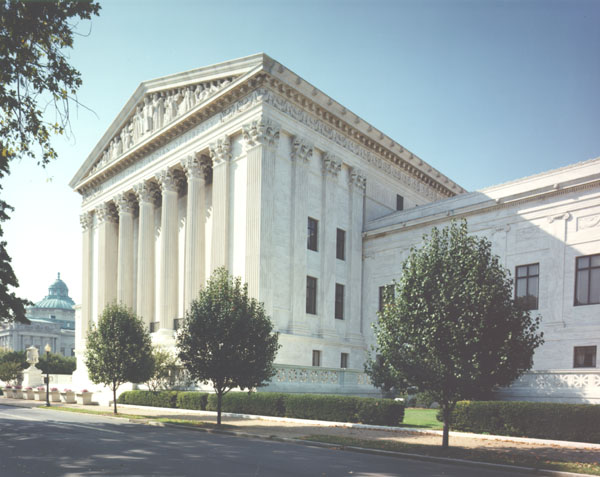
(385, 412)
(543, 420)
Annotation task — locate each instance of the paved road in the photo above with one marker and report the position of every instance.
(39, 443)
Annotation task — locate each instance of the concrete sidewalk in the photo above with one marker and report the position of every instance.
(287, 428)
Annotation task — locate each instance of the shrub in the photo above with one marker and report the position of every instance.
(321, 407)
(382, 412)
(149, 398)
(192, 400)
(264, 404)
(570, 422)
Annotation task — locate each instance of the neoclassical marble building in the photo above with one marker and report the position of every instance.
(246, 165)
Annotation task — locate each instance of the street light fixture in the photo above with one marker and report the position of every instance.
(47, 349)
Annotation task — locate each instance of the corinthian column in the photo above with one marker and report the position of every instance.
(169, 257)
(357, 186)
(301, 155)
(262, 138)
(87, 221)
(331, 170)
(220, 153)
(145, 192)
(194, 167)
(107, 255)
(125, 206)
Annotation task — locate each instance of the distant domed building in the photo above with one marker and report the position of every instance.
(52, 321)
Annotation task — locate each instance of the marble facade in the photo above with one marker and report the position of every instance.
(224, 166)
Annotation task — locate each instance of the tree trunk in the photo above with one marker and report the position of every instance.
(219, 400)
(446, 432)
(115, 398)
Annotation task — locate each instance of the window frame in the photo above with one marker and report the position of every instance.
(399, 202)
(316, 358)
(583, 348)
(339, 301)
(527, 278)
(382, 290)
(589, 269)
(312, 234)
(340, 245)
(311, 298)
(344, 358)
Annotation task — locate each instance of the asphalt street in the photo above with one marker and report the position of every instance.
(40, 442)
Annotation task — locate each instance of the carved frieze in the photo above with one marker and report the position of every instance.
(261, 132)
(589, 222)
(301, 150)
(563, 216)
(220, 150)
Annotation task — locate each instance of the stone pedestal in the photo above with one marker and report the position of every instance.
(32, 377)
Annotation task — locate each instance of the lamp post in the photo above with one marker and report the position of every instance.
(47, 349)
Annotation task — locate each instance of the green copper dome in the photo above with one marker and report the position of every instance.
(58, 297)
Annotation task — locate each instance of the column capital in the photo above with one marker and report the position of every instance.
(125, 203)
(86, 220)
(106, 213)
(357, 179)
(145, 191)
(302, 151)
(169, 180)
(220, 150)
(331, 165)
(194, 166)
(261, 132)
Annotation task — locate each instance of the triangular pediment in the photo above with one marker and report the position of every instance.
(157, 104)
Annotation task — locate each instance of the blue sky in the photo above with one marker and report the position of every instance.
(485, 91)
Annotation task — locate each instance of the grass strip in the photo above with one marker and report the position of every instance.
(475, 454)
(421, 418)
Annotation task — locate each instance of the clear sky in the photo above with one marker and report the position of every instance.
(486, 91)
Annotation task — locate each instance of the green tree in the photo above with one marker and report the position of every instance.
(227, 340)
(56, 363)
(165, 369)
(119, 350)
(12, 364)
(36, 82)
(453, 329)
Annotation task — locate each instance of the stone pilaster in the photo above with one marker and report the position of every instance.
(169, 182)
(327, 240)
(261, 140)
(220, 153)
(194, 167)
(301, 154)
(107, 255)
(126, 207)
(146, 194)
(353, 305)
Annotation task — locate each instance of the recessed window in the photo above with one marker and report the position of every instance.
(344, 360)
(584, 357)
(340, 245)
(386, 295)
(527, 285)
(316, 358)
(339, 301)
(587, 280)
(311, 295)
(399, 202)
(313, 234)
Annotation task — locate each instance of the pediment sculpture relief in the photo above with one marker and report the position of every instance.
(154, 112)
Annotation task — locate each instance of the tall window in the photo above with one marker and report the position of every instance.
(339, 301)
(587, 280)
(344, 360)
(316, 359)
(340, 245)
(313, 234)
(311, 295)
(399, 202)
(527, 285)
(386, 293)
(584, 357)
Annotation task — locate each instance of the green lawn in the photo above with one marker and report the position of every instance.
(423, 418)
